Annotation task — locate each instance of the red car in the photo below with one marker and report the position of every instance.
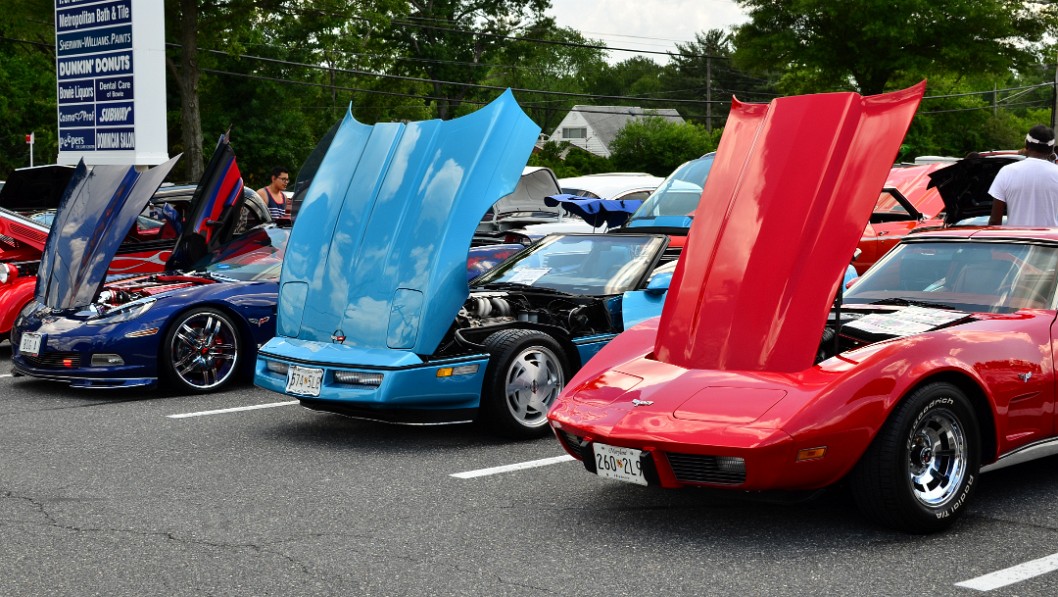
(905, 203)
(938, 363)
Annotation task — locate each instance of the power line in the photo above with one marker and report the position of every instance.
(452, 83)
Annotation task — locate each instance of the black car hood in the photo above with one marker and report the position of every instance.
(964, 185)
(35, 189)
(96, 212)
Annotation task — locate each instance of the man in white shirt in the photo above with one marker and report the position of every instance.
(1027, 191)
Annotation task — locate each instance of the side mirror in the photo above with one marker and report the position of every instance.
(659, 283)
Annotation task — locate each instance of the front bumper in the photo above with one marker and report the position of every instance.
(410, 390)
(67, 349)
(77, 379)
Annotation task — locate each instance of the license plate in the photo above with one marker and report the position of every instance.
(30, 344)
(304, 380)
(623, 464)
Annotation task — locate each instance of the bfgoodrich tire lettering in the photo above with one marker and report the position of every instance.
(921, 469)
(527, 370)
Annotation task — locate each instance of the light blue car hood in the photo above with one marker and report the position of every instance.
(377, 256)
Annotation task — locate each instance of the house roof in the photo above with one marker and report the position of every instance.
(606, 121)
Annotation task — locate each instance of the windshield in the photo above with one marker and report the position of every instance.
(256, 255)
(677, 197)
(969, 276)
(889, 209)
(588, 264)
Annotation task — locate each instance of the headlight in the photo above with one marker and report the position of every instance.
(276, 367)
(8, 273)
(356, 378)
(125, 312)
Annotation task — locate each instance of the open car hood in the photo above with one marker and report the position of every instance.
(535, 184)
(97, 210)
(964, 186)
(377, 257)
(35, 189)
(790, 191)
(212, 216)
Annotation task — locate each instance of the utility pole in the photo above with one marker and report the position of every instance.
(709, 93)
(1054, 106)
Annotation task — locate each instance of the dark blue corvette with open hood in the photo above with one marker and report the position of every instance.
(196, 326)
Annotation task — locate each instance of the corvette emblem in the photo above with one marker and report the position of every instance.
(637, 402)
(338, 337)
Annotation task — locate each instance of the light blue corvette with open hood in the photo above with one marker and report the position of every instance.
(375, 316)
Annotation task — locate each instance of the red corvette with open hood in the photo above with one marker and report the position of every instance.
(937, 364)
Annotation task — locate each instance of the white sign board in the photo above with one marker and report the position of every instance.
(110, 67)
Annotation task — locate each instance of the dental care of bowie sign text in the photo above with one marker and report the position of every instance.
(110, 67)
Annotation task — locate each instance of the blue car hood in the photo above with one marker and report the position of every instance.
(377, 257)
(97, 210)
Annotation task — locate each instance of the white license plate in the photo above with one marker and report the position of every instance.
(623, 464)
(30, 344)
(305, 381)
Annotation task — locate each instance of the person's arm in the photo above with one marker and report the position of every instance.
(999, 209)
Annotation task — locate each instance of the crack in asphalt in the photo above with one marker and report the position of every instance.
(1001, 520)
(261, 548)
(57, 408)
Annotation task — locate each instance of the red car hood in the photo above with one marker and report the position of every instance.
(792, 187)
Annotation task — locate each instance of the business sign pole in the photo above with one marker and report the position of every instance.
(110, 68)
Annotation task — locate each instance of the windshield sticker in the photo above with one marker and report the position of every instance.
(529, 275)
(905, 322)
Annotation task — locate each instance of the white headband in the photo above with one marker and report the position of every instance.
(1031, 139)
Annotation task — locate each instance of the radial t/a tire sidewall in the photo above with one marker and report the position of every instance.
(166, 364)
(503, 347)
(882, 484)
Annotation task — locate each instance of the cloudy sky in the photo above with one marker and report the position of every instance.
(653, 25)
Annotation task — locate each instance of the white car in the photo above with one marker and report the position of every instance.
(612, 185)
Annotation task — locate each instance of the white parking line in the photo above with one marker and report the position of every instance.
(230, 410)
(511, 467)
(1009, 576)
(5, 375)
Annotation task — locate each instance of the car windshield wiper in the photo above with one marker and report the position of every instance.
(519, 286)
(897, 300)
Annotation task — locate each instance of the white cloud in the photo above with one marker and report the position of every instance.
(649, 25)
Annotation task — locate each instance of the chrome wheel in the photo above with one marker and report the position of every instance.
(527, 369)
(937, 458)
(534, 379)
(203, 350)
(921, 469)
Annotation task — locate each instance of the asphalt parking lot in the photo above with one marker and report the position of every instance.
(147, 493)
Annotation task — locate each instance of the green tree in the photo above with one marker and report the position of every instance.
(657, 145)
(636, 76)
(450, 42)
(27, 87)
(562, 66)
(567, 160)
(702, 71)
(865, 44)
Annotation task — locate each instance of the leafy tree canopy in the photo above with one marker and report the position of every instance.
(658, 146)
(823, 45)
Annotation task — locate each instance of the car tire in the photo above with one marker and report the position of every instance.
(201, 350)
(527, 369)
(920, 471)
